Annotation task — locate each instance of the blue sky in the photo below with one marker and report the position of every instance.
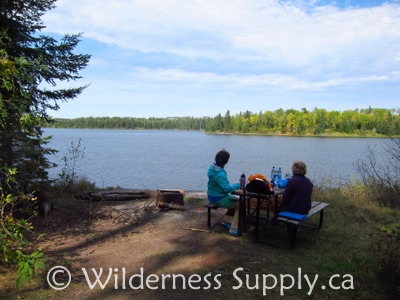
(161, 58)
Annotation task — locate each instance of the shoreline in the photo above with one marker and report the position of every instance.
(326, 135)
(306, 135)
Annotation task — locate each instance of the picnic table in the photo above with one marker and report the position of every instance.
(248, 214)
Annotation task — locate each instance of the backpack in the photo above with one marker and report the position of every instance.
(259, 186)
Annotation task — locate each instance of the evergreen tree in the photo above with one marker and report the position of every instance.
(32, 65)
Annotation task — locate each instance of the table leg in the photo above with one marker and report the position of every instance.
(241, 214)
(257, 217)
(276, 208)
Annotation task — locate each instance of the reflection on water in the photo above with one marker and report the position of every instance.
(142, 159)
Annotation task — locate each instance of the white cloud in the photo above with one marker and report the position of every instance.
(231, 46)
(273, 31)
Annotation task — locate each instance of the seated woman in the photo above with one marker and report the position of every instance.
(297, 194)
(219, 191)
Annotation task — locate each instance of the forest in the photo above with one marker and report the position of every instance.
(318, 122)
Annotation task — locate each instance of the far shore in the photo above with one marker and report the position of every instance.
(324, 135)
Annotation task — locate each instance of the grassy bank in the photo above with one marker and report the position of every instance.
(310, 134)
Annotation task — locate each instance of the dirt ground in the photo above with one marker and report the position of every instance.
(135, 250)
(148, 253)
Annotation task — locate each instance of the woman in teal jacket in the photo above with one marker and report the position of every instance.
(219, 190)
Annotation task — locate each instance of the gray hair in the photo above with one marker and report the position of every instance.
(299, 168)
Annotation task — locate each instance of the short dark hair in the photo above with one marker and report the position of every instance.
(222, 157)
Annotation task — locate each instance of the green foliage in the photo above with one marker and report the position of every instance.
(317, 122)
(68, 181)
(362, 238)
(184, 123)
(380, 174)
(386, 250)
(71, 159)
(380, 180)
(372, 122)
(31, 67)
(392, 230)
(28, 265)
(80, 185)
(13, 242)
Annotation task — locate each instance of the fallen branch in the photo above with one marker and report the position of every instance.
(170, 205)
(113, 196)
(196, 229)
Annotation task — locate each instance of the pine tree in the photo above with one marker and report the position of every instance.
(32, 66)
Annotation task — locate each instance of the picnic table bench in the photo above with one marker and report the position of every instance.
(211, 206)
(298, 219)
(243, 209)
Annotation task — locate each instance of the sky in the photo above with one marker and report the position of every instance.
(166, 58)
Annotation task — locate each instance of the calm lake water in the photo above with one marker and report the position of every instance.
(142, 159)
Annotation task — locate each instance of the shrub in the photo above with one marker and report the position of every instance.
(380, 175)
(386, 250)
(14, 247)
(70, 162)
(80, 185)
(68, 182)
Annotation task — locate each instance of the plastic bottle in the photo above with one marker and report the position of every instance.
(273, 171)
(242, 181)
(278, 177)
(279, 173)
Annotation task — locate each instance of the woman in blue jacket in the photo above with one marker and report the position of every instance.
(219, 191)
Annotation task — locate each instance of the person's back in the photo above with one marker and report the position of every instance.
(218, 185)
(298, 191)
(219, 190)
(297, 195)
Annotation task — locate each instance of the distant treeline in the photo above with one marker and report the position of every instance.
(184, 123)
(362, 122)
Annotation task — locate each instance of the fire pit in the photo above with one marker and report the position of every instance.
(170, 198)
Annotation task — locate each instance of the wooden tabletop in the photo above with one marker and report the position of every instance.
(256, 195)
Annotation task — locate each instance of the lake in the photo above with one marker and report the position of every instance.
(173, 159)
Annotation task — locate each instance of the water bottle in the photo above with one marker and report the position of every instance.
(242, 181)
(287, 176)
(273, 174)
(278, 177)
(279, 173)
